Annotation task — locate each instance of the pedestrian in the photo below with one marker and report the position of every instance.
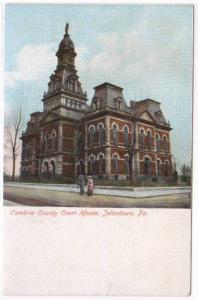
(81, 183)
(90, 186)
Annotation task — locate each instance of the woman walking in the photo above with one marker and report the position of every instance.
(90, 186)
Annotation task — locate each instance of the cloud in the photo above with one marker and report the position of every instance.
(32, 62)
(153, 51)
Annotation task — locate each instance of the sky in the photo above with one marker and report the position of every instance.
(146, 49)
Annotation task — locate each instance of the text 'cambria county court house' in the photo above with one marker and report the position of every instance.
(107, 138)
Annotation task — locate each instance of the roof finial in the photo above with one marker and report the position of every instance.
(66, 28)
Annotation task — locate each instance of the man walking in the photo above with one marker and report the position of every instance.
(81, 183)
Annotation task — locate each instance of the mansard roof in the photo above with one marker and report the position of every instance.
(108, 93)
(152, 107)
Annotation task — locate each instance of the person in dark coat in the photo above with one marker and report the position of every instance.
(81, 183)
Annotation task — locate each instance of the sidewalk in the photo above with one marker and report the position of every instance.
(138, 192)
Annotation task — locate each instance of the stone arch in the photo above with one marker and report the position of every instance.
(114, 124)
(125, 126)
(91, 126)
(100, 123)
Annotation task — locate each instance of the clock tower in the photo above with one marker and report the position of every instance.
(65, 95)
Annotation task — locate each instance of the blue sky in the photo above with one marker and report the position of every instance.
(146, 49)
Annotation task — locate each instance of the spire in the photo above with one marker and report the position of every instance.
(66, 29)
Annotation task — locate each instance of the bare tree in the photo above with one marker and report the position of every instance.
(186, 173)
(78, 146)
(13, 128)
(131, 152)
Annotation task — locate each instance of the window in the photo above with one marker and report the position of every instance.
(115, 163)
(142, 138)
(99, 103)
(157, 143)
(52, 168)
(158, 167)
(101, 163)
(101, 135)
(147, 165)
(53, 141)
(126, 160)
(115, 135)
(165, 144)
(46, 167)
(148, 138)
(117, 103)
(126, 136)
(92, 136)
(46, 143)
(91, 161)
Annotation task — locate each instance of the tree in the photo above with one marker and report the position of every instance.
(78, 147)
(186, 173)
(13, 128)
(132, 151)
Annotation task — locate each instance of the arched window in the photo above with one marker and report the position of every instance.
(157, 142)
(46, 137)
(101, 135)
(115, 163)
(165, 144)
(101, 163)
(142, 138)
(115, 135)
(46, 167)
(126, 136)
(53, 141)
(147, 166)
(166, 168)
(53, 168)
(92, 136)
(158, 167)
(126, 160)
(91, 161)
(148, 138)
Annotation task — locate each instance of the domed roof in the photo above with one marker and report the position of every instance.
(66, 41)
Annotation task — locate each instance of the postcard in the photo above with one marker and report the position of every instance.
(98, 149)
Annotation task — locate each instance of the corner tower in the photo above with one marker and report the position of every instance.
(65, 95)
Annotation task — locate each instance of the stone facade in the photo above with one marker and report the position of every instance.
(108, 138)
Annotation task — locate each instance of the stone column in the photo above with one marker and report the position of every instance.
(59, 165)
(86, 154)
(107, 147)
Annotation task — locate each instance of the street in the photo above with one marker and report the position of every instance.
(68, 196)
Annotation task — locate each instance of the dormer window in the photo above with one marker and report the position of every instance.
(97, 104)
(117, 103)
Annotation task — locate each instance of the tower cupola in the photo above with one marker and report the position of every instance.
(66, 53)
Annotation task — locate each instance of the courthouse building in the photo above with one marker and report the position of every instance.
(107, 138)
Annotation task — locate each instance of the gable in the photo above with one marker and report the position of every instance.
(146, 116)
